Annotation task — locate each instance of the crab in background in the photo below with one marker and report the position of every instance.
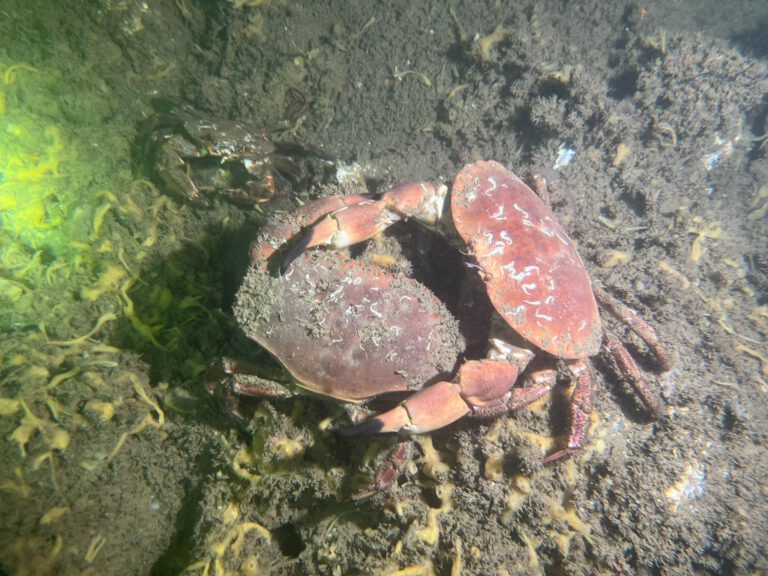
(199, 158)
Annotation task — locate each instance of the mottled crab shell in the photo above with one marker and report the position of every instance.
(348, 329)
(534, 276)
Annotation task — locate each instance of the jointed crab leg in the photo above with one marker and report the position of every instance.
(628, 368)
(342, 221)
(278, 231)
(483, 388)
(634, 322)
(579, 410)
(387, 474)
(344, 227)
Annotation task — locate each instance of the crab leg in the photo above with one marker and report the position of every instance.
(344, 227)
(579, 411)
(635, 322)
(360, 221)
(628, 368)
(277, 232)
(387, 474)
(429, 409)
(483, 387)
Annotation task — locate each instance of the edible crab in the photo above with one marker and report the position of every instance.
(346, 329)
(545, 309)
(199, 158)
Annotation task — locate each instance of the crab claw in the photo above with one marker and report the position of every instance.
(343, 228)
(480, 383)
(427, 410)
(356, 222)
(276, 233)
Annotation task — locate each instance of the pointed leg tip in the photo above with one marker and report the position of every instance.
(294, 252)
(559, 455)
(367, 428)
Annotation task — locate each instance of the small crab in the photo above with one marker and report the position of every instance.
(544, 304)
(198, 158)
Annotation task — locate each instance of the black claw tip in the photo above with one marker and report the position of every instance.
(295, 251)
(367, 428)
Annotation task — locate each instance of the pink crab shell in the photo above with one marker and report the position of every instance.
(348, 329)
(534, 276)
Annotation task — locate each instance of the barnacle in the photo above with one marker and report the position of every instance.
(103, 319)
(759, 206)
(689, 486)
(493, 469)
(433, 462)
(431, 532)
(670, 270)
(701, 229)
(762, 358)
(622, 153)
(485, 44)
(155, 421)
(226, 544)
(611, 258)
(666, 134)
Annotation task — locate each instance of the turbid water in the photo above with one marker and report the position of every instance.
(648, 121)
